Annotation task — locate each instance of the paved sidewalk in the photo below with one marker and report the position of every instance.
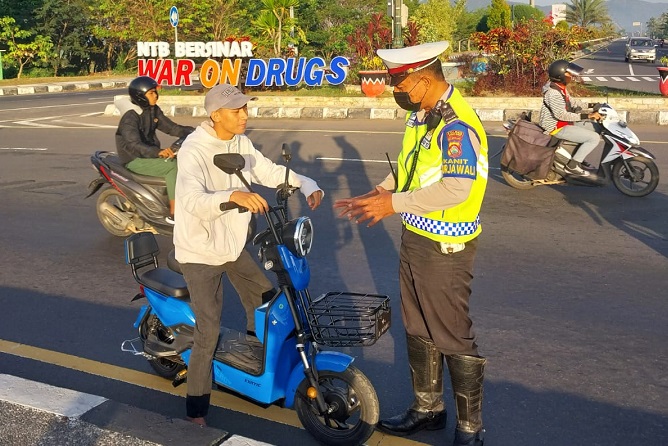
(37, 414)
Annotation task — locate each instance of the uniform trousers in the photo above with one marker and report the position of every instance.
(206, 297)
(435, 291)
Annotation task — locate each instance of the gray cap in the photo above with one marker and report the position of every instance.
(225, 96)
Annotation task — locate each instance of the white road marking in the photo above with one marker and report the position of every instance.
(33, 149)
(64, 402)
(602, 79)
(51, 106)
(633, 79)
(651, 79)
(86, 125)
(618, 79)
(324, 158)
(35, 124)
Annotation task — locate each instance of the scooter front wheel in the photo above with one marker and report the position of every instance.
(639, 179)
(353, 408)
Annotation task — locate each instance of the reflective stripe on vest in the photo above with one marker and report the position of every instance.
(440, 227)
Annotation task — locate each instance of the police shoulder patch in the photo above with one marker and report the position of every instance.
(459, 157)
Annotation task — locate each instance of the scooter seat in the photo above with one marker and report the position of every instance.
(117, 166)
(165, 281)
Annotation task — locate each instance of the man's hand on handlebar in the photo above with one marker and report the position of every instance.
(251, 201)
(595, 116)
(166, 153)
(315, 199)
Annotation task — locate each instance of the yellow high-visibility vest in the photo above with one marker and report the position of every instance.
(460, 223)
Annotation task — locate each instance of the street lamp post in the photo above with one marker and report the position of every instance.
(1, 76)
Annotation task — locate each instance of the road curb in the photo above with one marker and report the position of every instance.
(59, 87)
(636, 110)
(65, 416)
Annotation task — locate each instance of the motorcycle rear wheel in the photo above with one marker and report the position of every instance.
(164, 367)
(516, 181)
(641, 180)
(113, 198)
(354, 405)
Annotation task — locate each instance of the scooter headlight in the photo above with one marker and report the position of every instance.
(298, 236)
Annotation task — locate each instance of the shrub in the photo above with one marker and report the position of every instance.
(519, 56)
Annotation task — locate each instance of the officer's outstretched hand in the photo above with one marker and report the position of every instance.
(251, 201)
(373, 206)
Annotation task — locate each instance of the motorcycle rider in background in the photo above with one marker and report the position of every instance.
(136, 142)
(561, 115)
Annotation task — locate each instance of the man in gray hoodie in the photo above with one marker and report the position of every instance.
(209, 242)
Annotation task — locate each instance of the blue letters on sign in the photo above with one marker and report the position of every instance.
(338, 73)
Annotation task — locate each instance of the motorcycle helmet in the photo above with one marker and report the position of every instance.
(138, 88)
(558, 69)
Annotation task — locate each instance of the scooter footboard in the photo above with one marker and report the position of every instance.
(334, 361)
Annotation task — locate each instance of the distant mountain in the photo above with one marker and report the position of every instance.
(622, 12)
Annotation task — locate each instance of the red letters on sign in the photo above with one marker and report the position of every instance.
(163, 70)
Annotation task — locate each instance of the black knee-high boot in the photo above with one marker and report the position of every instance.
(428, 408)
(467, 374)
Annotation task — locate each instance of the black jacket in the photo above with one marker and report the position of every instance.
(135, 136)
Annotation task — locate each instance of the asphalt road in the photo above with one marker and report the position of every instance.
(606, 68)
(568, 297)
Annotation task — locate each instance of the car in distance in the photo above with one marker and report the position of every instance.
(640, 48)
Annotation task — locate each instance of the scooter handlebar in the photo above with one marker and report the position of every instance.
(230, 205)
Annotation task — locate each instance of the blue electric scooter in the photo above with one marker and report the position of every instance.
(284, 364)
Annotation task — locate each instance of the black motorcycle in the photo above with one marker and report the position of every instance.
(131, 202)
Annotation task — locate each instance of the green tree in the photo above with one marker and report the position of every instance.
(499, 15)
(277, 22)
(526, 12)
(120, 24)
(585, 13)
(438, 19)
(23, 46)
(68, 25)
(20, 10)
(213, 26)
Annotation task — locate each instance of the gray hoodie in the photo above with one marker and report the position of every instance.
(202, 232)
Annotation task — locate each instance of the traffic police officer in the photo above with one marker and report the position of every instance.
(438, 191)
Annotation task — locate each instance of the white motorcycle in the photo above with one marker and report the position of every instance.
(530, 158)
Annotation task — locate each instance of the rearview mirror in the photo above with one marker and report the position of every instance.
(286, 152)
(229, 162)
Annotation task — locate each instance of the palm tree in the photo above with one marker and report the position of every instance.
(587, 12)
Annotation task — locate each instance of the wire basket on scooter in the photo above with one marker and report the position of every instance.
(339, 319)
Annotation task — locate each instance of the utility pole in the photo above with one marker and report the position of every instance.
(532, 3)
(398, 39)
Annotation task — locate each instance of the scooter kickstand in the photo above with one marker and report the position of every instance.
(180, 378)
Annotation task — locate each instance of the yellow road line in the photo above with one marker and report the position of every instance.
(150, 381)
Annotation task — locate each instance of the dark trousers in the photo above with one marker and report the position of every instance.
(206, 296)
(435, 291)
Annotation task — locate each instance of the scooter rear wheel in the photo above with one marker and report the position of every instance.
(353, 404)
(640, 180)
(113, 198)
(164, 367)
